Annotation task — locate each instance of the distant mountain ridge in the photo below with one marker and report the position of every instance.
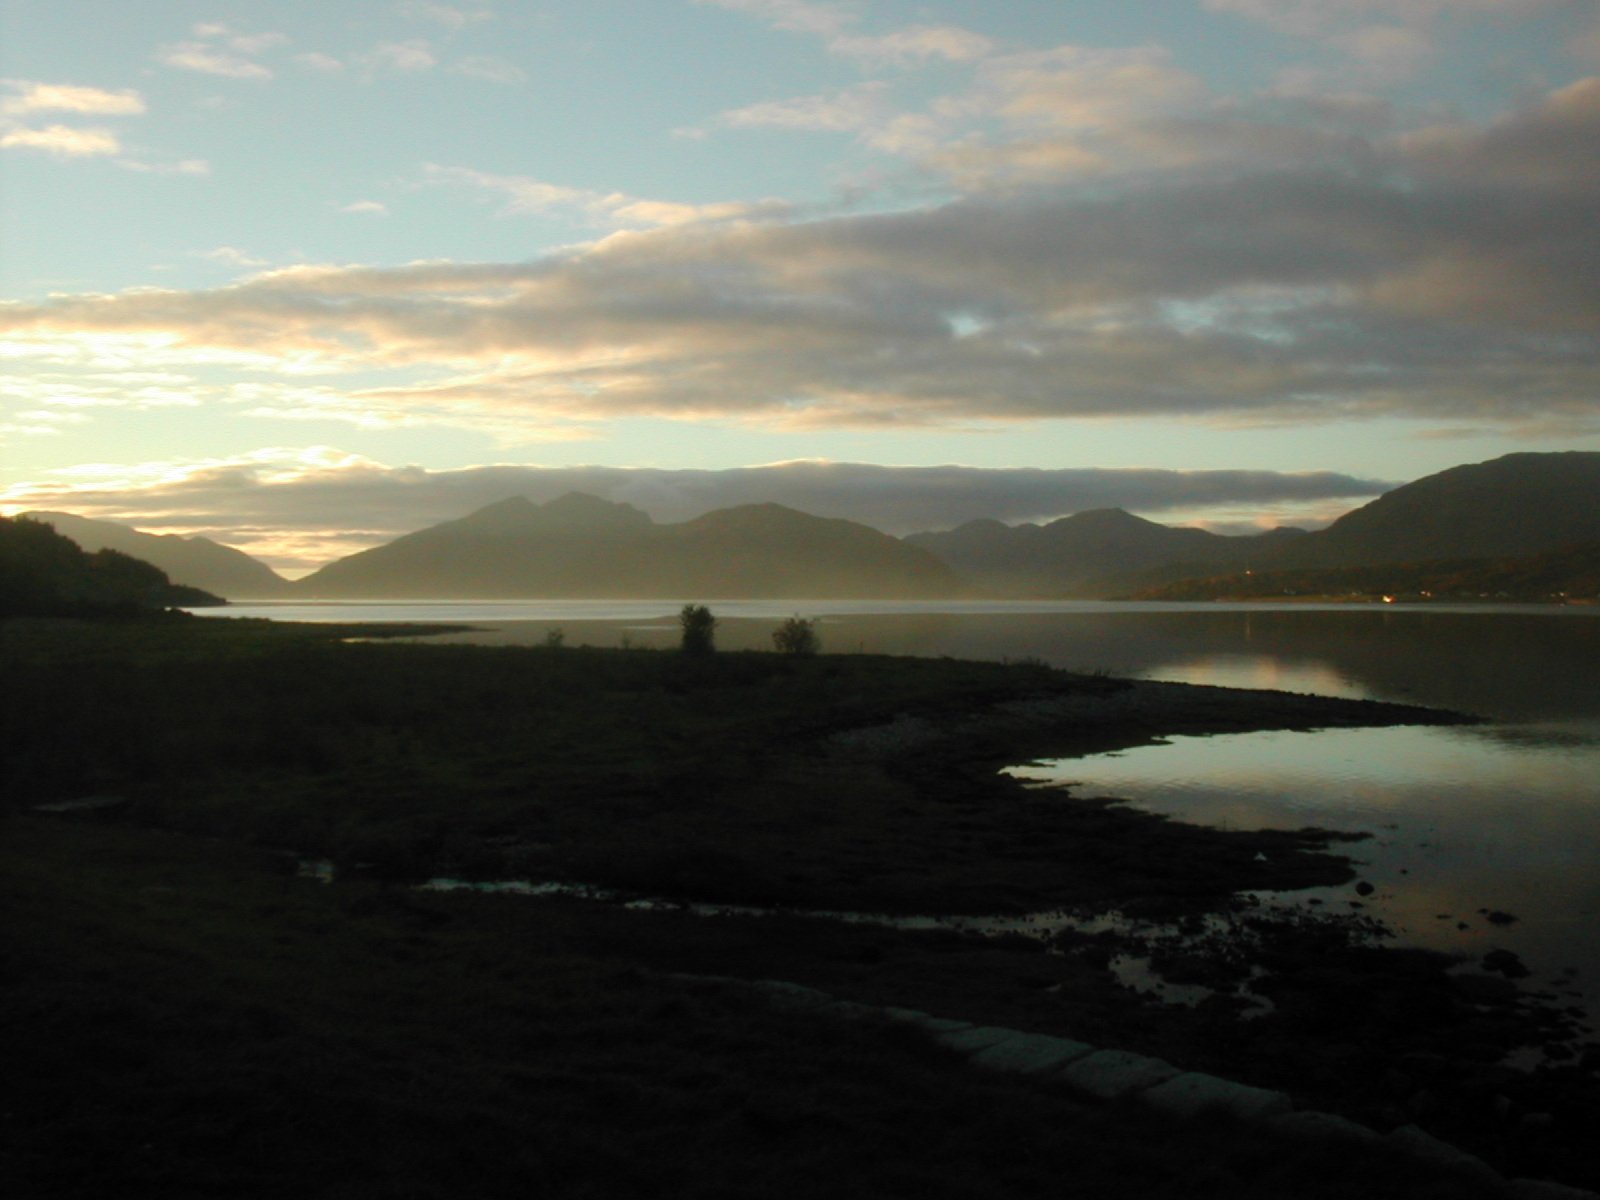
(1507, 508)
(581, 546)
(1086, 553)
(196, 561)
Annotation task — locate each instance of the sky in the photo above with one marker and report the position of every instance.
(304, 276)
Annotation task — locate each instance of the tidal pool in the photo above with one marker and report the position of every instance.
(1484, 837)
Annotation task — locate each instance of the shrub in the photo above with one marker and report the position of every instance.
(797, 636)
(699, 628)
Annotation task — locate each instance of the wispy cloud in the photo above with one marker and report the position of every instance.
(63, 141)
(366, 208)
(209, 60)
(837, 26)
(847, 110)
(453, 17)
(316, 60)
(611, 210)
(183, 166)
(218, 49)
(28, 96)
(490, 69)
(407, 57)
(234, 257)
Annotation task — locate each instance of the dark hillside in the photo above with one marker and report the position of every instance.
(196, 561)
(45, 574)
(1509, 507)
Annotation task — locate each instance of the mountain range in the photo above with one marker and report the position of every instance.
(582, 546)
(1514, 507)
(1509, 507)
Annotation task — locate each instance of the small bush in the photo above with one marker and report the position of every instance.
(797, 636)
(699, 629)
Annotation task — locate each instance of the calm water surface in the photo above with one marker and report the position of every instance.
(1502, 816)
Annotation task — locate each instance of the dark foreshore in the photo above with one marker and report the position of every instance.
(183, 1008)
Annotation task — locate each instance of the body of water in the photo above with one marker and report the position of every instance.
(1500, 818)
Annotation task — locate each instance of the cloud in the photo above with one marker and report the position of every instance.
(455, 19)
(613, 210)
(490, 69)
(1254, 269)
(234, 257)
(1312, 18)
(852, 108)
(302, 507)
(184, 166)
(407, 57)
(1584, 44)
(915, 44)
(220, 50)
(315, 60)
(369, 208)
(31, 97)
(63, 141)
(208, 60)
(835, 25)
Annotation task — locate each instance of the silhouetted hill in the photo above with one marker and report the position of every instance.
(1086, 553)
(581, 546)
(43, 574)
(1509, 507)
(197, 561)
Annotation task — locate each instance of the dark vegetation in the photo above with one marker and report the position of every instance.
(43, 574)
(179, 1010)
(698, 629)
(797, 636)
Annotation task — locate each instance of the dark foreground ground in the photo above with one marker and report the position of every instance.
(180, 1010)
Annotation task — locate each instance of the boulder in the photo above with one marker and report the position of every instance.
(1112, 1074)
(1194, 1092)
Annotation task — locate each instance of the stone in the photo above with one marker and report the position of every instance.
(1424, 1147)
(1194, 1092)
(1030, 1053)
(794, 995)
(1545, 1189)
(973, 1038)
(1323, 1127)
(1112, 1074)
(925, 1021)
(85, 804)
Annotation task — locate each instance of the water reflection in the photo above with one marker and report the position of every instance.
(1465, 823)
